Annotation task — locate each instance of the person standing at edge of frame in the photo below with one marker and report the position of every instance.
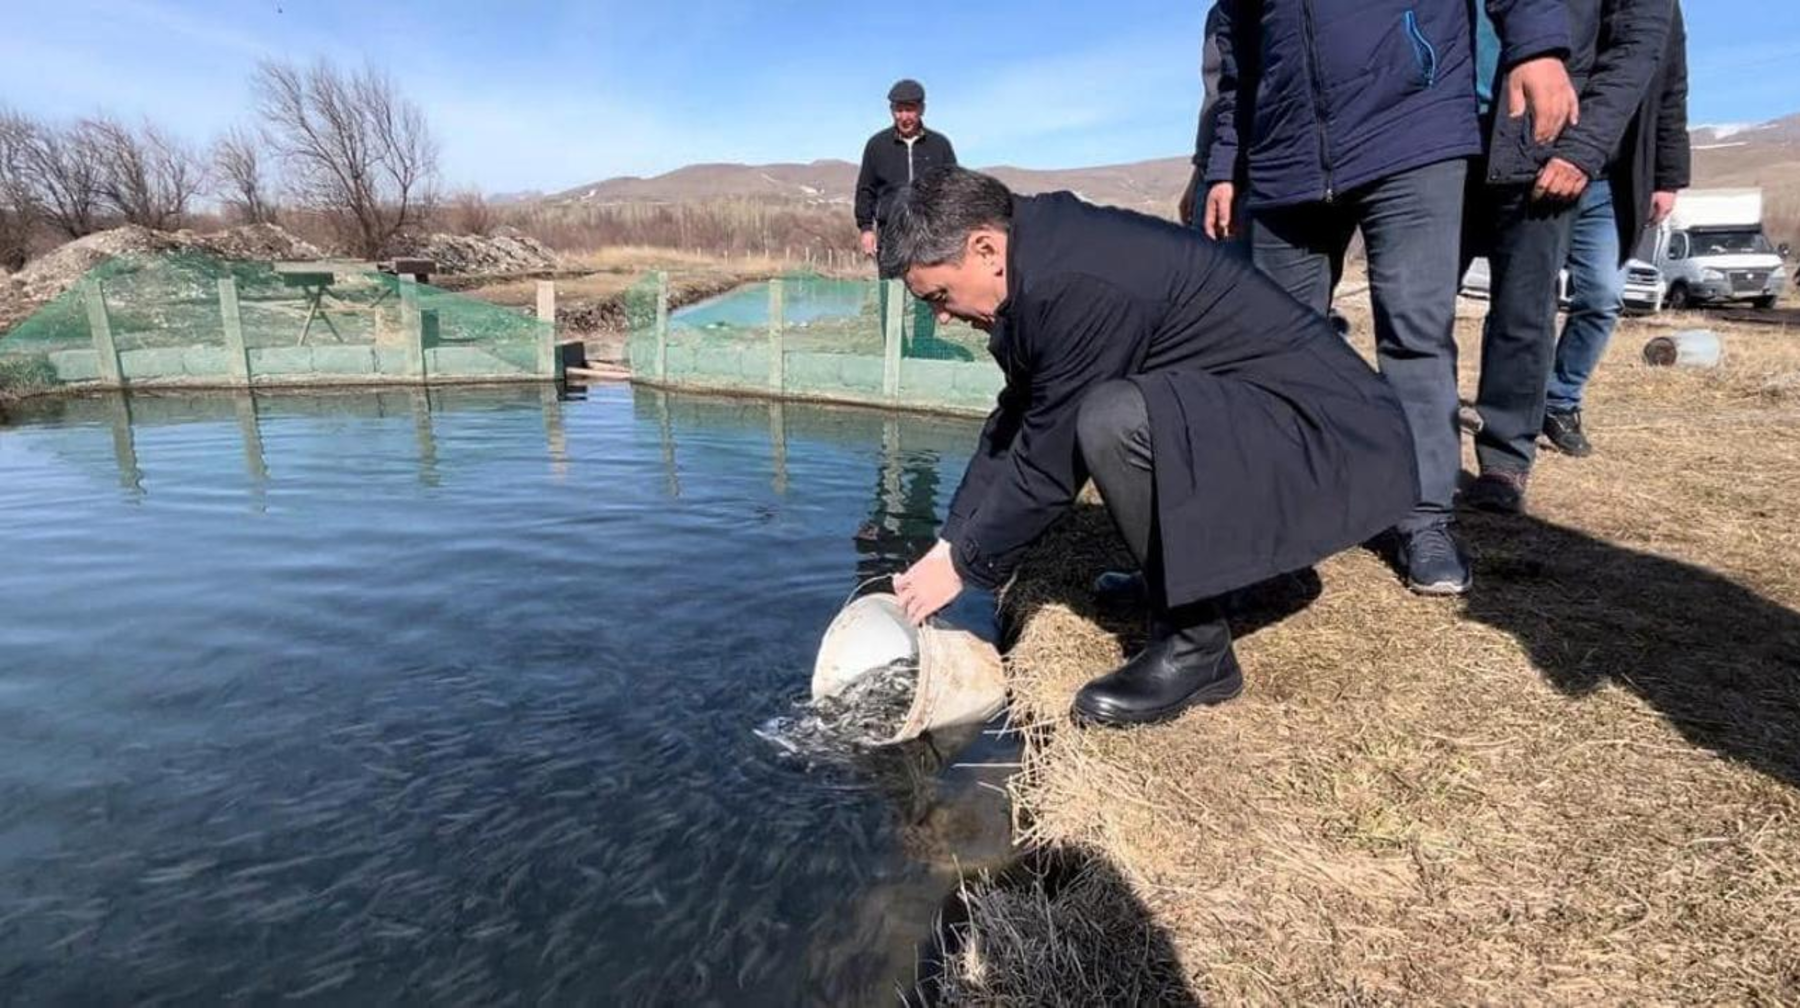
(1522, 216)
(1654, 163)
(1343, 115)
(892, 158)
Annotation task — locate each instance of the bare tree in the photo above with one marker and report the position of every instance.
(63, 178)
(146, 176)
(239, 170)
(470, 213)
(18, 208)
(353, 147)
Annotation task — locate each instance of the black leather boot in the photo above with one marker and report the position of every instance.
(1121, 589)
(1187, 661)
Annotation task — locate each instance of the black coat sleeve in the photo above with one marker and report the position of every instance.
(1082, 331)
(1530, 28)
(1233, 25)
(865, 189)
(989, 458)
(1633, 35)
(949, 152)
(1211, 56)
(1674, 156)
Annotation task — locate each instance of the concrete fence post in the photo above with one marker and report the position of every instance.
(412, 326)
(777, 337)
(100, 326)
(549, 360)
(891, 335)
(237, 352)
(661, 371)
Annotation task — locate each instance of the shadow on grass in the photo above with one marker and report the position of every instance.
(1062, 571)
(1717, 660)
(1058, 926)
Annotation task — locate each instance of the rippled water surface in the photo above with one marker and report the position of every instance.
(454, 698)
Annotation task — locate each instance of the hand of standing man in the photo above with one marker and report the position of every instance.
(1218, 223)
(1662, 204)
(1543, 86)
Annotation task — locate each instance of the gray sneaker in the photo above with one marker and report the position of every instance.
(1434, 562)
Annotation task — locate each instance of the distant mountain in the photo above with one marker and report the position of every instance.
(1764, 154)
(1151, 186)
(1767, 154)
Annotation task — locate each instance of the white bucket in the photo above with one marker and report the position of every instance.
(1688, 348)
(960, 678)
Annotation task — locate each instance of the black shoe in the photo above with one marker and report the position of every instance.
(1501, 491)
(1434, 562)
(1188, 661)
(1121, 588)
(1562, 428)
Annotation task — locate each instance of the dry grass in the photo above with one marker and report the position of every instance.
(1578, 785)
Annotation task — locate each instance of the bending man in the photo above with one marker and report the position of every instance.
(1230, 432)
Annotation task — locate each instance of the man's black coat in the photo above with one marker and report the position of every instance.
(1275, 445)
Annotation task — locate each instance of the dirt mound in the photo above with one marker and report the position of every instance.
(47, 277)
(505, 252)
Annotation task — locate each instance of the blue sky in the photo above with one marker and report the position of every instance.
(546, 94)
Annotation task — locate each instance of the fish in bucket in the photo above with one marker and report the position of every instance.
(959, 677)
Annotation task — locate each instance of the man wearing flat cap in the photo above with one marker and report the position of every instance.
(894, 157)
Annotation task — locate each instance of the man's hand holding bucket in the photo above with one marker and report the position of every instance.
(929, 585)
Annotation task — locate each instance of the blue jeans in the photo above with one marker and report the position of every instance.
(1596, 297)
(1411, 224)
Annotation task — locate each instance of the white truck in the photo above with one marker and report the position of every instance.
(1711, 250)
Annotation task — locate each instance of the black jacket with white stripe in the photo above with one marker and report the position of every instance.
(888, 162)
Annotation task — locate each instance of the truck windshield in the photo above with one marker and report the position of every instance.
(1728, 242)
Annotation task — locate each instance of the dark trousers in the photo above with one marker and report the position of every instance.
(1526, 243)
(1412, 228)
(1113, 432)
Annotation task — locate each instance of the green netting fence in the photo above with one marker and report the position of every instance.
(805, 336)
(191, 318)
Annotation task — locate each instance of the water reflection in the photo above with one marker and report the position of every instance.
(461, 708)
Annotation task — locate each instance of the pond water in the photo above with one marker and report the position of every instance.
(378, 698)
(804, 300)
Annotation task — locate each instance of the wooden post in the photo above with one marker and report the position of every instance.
(661, 370)
(777, 338)
(412, 326)
(549, 361)
(107, 352)
(891, 336)
(237, 353)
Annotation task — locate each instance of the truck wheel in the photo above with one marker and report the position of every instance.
(1764, 303)
(1677, 299)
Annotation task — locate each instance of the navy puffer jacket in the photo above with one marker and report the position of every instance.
(1318, 97)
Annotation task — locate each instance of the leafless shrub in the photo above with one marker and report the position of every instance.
(62, 177)
(145, 175)
(353, 147)
(18, 209)
(471, 214)
(241, 174)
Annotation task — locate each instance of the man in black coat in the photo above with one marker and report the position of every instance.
(1526, 211)
(1638, 190)
(1231, 433)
